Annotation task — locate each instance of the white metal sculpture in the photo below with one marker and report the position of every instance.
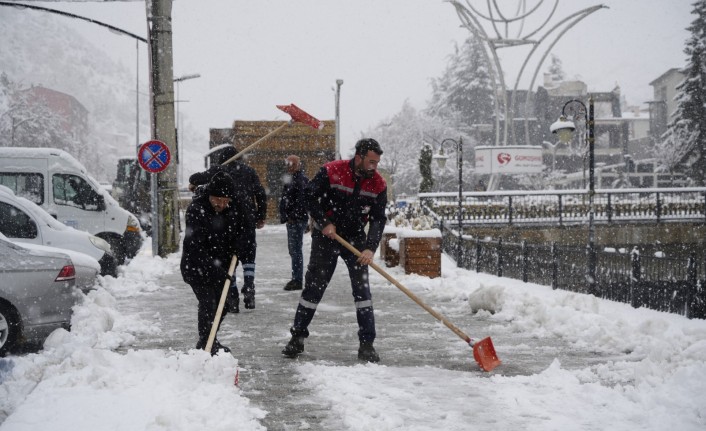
(497, 29)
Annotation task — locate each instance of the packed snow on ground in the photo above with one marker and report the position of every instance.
(652, 378)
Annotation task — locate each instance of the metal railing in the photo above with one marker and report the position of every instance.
(666, 284)
(563, 207)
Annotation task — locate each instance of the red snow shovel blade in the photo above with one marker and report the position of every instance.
(300, 116)
(484, 354)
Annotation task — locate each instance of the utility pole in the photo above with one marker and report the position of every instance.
(339, 82)
(165, 230)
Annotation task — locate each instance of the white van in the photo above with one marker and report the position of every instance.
(58, 183)
(25, 222)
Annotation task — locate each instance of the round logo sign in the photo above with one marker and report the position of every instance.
(154, 156)
(504, 158)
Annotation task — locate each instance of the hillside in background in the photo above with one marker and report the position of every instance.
(42, 49)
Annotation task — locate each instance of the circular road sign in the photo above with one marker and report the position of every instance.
(154, 156)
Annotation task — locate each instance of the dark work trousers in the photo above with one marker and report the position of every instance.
(247, 260)
(322, 263)
(208, 296)
(295, 240)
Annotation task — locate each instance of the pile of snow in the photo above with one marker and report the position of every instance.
(79, 383)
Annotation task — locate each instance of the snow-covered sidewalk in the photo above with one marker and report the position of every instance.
(648, 371)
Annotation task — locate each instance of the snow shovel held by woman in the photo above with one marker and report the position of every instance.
(483, 350)
(221, 304)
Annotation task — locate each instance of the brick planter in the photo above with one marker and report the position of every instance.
(421, 255)
(389, 254)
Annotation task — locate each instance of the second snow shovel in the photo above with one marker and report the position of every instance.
(221, 304)
(483, 350)
(298, 116)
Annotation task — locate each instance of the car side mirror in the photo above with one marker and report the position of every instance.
(100, 202)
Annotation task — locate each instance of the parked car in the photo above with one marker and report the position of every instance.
(37, 293)
(61, 185)
(25, 222)
(87, 268)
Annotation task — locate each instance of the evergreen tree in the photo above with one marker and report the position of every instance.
(686, 133)
(556, 70)
(425, 186)
(464, 93)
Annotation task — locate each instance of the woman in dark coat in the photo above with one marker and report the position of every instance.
(215, 231)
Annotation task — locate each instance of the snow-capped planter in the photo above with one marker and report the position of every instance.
(389, 247)
(420, 251)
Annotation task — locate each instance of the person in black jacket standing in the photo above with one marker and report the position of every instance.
(215, 231)
(343, 197)
(292, 211)
(246, 181)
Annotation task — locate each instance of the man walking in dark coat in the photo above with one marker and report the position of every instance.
(292, 211)
(246, 181)
(342, 198)
(215, 231)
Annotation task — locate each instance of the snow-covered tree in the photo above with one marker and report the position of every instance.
(464, 93)
(686, 133)
(24, 123)
(402, 137)
(26, 120)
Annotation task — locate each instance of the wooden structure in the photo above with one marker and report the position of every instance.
(421, 255)
(314, 147)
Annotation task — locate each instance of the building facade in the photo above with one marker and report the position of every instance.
(314, 147)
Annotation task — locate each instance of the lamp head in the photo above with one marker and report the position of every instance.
(440, 158)
(563, 128)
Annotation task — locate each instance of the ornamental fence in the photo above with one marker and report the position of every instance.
(564, 207)
(665, 284)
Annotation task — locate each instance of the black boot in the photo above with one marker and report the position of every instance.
(293, 285)
(366, 352)
(232, 304)
(249, 298)
(294, 347)
(218, 346)
(201, 344)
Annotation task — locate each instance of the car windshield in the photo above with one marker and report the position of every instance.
(40, 214)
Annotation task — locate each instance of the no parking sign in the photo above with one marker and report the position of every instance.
(154, 156)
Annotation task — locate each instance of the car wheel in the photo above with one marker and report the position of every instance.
(117, 248)
(10, 328)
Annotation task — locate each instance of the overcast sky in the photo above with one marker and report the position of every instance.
(252, 55)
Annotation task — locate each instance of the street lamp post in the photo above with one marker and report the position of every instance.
(339, 82)
(441, 162)
(552, 147)
(564, 128)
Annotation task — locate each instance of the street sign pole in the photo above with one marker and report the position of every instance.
(154, 157)
(155, 213)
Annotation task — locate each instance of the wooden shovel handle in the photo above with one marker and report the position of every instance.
(408, 292)
(221, 304)
(251, 146)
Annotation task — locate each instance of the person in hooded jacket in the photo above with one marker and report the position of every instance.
(216, 229)
(246, 181)
(343, 197)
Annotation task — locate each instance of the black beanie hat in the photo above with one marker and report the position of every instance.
(221, 185)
